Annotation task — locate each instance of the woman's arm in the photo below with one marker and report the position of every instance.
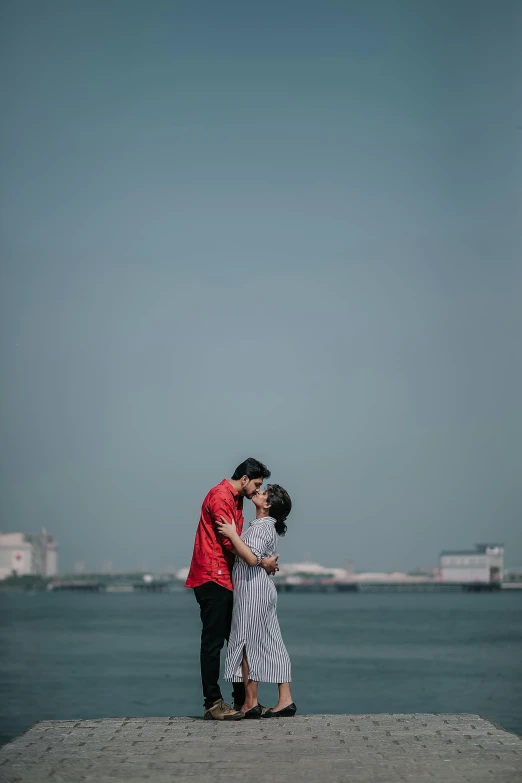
(221, 505)
(229, 531)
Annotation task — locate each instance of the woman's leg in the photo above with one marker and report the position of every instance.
(285, 696)
(244, 669)
(251, 695)
(238, 688)
(251, 686)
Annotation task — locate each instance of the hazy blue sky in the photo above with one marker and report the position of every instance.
(289, 230)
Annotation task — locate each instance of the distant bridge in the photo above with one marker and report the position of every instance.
(89, 586)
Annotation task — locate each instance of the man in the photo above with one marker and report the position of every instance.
(210, 577)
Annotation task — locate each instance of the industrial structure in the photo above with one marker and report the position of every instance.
(482, 565)
(479, 569)
(23, 554)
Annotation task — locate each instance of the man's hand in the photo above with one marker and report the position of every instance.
(270, 564)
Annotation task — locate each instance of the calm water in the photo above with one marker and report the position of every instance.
(78, 656)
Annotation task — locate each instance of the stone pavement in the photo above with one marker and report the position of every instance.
(331, 748)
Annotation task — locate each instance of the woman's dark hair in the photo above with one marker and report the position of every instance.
(252, 468)
(280, 506)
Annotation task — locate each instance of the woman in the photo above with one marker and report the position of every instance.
(256, 652)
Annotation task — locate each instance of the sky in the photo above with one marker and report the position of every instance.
(288, 230)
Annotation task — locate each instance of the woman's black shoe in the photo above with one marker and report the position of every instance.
(286, 712)
(255, 712)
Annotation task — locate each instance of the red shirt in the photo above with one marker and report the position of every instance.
(213, 555)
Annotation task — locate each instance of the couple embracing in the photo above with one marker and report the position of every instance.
(229, 573)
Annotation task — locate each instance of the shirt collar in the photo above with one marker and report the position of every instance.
(238, 499)
(230, 488)
(263, 519)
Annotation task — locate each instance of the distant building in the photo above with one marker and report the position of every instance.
(28, 553)
(182, 574)
(312, 570)
(485, 563)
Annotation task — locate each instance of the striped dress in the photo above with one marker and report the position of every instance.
(254, 619)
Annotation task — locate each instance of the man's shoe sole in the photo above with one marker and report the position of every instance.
(235, 716)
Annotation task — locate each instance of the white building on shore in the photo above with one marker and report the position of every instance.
(484, 564)
(24, 554)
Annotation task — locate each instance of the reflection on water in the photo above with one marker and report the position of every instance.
(78, 656)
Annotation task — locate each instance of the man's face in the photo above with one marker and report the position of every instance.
(250, 486)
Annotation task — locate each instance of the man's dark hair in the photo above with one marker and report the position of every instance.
(252, 468)
(280, 506)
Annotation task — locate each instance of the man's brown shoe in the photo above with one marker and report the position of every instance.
(220, 710)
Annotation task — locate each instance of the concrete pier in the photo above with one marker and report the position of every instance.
(329, 748)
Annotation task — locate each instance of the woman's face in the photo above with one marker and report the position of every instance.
(260, 499)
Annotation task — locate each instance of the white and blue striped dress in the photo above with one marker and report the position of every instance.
(254, 619)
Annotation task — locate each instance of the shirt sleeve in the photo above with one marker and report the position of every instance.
(221, 505)
(258, 538)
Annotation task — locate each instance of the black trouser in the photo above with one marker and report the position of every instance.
(215, 606)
